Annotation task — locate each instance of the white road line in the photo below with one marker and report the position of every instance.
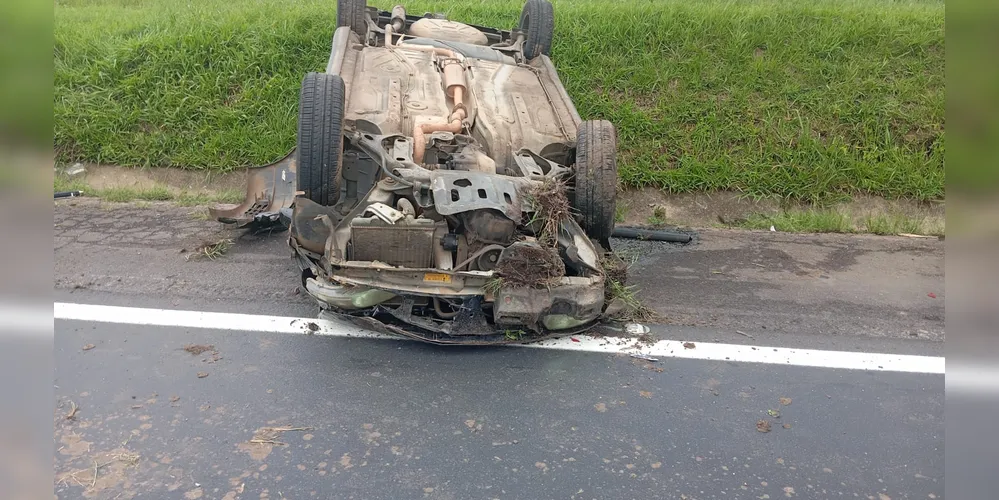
(581, 343)
(212, 320)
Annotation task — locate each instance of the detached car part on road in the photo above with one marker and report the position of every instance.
(444, 186)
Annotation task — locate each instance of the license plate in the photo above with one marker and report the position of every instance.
(437, 277)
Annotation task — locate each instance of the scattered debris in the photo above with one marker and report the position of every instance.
(623, 302)
(645, 394)
(198, 349)
(636, 329)
(72, 412)
(785, 401)
(763, 425)
(774, 413)
(786, 426)
(574, 339)
(126, 458)
(647, 339)
(212, 249)
(744, 334)
(689, 345)
(270, 435)
(910, 235)
(202, 374)
(88, 347)
(931, 295)
(600, 407)
(773, 229)
(645, 357)
(136, 407)
(174, 399)
(312, 326)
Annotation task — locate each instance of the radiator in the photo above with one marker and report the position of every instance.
(407, 243)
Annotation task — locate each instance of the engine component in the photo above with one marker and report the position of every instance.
(471, 158)
(407, 243)
(384, 212)
(442, 29)
(406, 207)
(450, 242)
(487, 261)
(488, 226)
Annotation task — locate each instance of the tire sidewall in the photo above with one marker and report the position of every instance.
(319, 152)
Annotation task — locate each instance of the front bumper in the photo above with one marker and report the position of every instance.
(519, 314)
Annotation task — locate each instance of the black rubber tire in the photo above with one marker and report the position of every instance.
(320, 137)
(537, 21)
(596, 178)
(353, 13)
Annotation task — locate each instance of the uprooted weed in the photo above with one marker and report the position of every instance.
(633, 309)
(493, 285)
(531, 265)
(552, 207)
(212, 249)
(539, 265)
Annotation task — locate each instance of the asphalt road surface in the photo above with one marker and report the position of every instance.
(256, 414)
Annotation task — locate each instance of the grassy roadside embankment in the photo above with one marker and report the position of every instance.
(775, 99)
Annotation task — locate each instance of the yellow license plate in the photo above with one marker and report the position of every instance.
(437, 277)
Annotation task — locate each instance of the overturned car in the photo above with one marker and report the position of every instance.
(443, 185)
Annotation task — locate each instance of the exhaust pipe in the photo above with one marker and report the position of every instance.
(398, 22)
(454, 85)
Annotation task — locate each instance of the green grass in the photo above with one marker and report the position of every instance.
(803, 221)
(833, 221)
(155, 193)
(804, 101)
(187, 199)
(893, 224)
(658, 217)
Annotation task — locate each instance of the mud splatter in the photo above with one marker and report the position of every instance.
(198, 349)
(265, 439)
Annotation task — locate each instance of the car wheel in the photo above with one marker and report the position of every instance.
(595, 183)
(320, 137)
(353, 13)
(537, 21)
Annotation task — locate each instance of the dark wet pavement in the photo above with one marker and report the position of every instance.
(395, 419)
